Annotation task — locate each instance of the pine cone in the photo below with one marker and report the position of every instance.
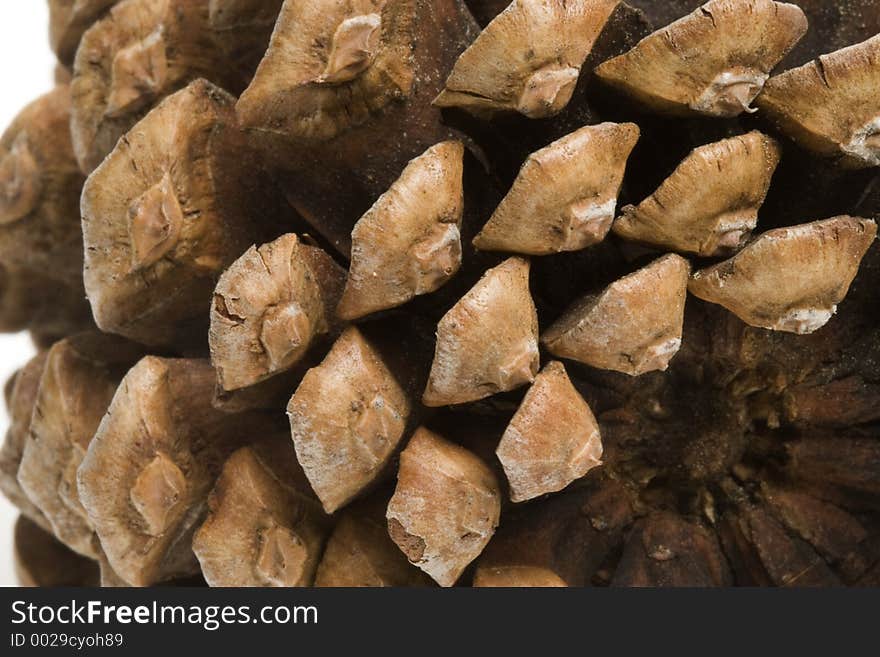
(553, 294)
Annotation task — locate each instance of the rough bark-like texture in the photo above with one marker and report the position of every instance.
(347, 418)
(138, 54)
(713, 62)
(78, 382)
(666, 550)
(785, 559)
(445, 508)
(21, 395)
(552, 439)
(837, 535)
(488, 342)
(40, 238)
(709, 205)
(409, 243)
(146, 476)
(565, 196)
(341, 120)
(634, 326)
(270, 308)
(264, 527)
(174, 204)
(844, 461)
(790, 279)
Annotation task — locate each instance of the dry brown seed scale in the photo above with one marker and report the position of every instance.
(79, 380)
(174, 204)
(41, 248)
(587, 297)
(141, 51)
(264, 527)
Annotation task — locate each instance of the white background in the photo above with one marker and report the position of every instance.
(26, 68)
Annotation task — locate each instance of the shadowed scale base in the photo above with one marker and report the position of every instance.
(760, 444)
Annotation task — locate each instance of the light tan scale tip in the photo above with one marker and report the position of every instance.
(159, 219)
(709, 205)
(790, 279)
(552, 439)
(81, 376)
(488, 342)
(712, 62)
(270, 307)
(547, 91)
(445, 508)
(331, 67)
(565, 195)
(528, 59)
(634, 326)
(361, 553)
(409, 242)
(263, 527)
(830, 105)
(347, 417)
